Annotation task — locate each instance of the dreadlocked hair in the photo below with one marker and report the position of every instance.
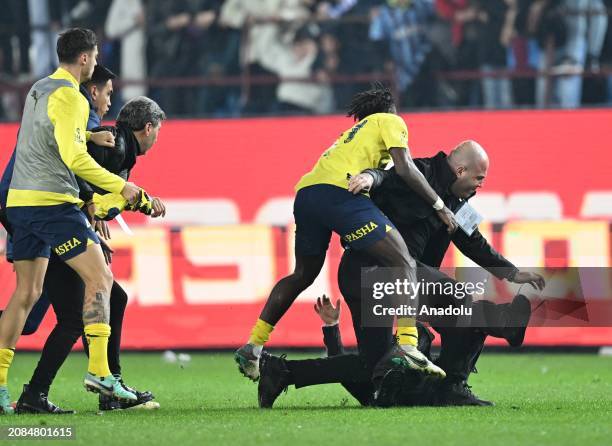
(378, 99)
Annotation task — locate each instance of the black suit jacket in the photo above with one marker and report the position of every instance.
(418, 223)
(119, 160)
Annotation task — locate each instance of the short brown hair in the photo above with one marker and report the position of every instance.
(73, 42)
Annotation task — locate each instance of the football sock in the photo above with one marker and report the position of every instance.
(260, 332)
(6, 358)
(97, 337)
(407, 333)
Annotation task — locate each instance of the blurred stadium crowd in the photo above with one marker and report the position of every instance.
(228, 58)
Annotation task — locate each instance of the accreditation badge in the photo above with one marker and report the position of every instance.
(468, 218)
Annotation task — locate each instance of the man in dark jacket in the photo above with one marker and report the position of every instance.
(455, 178)
(98, 91)
(135, 132)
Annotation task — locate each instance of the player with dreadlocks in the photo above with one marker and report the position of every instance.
(327, 200)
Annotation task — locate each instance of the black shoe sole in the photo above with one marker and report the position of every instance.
(22, 409)
(449, 400)
(108, 406)
(94, 389)
(479, 403)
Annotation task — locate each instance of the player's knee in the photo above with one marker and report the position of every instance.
(35, 293)
(27, 294)
(107, 279)
(304, 278)
(101, 281)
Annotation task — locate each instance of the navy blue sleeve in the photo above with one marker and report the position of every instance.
(94, 120)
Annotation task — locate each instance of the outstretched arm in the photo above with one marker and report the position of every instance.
(478, 249)
(330, 315)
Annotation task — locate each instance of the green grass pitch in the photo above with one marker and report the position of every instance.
(541, 399)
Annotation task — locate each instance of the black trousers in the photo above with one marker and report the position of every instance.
(461, 346)
(66, 291)
(353, 370)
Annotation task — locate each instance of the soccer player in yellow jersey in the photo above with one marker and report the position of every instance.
(327, 200)
(43, 209)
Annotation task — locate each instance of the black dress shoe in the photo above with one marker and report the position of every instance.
(274, 378)
(457, 393)
(32, 402)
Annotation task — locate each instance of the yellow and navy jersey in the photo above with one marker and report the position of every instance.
(364, 146)
(51, 147)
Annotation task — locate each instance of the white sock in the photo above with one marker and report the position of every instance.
(408, 348)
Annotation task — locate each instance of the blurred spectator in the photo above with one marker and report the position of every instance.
(403, 24)
(299, 60)
(49, 17)
(43, 36)
(546, 23)
(83, 13)
(14, 38)
(345, 28)
(496, 30)
(577, 30)
(269, 23)
(178, 36)
(125, 22)
(465, 18)
(219, 59)
(328, 62)
(586, 22)
(453, 12)
(524, 56)
(14, 60)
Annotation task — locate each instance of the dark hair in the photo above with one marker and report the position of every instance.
(100, 76)
(138, 111)
(73, 42)
(378, 99)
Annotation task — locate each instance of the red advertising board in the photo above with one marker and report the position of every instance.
(199, 280)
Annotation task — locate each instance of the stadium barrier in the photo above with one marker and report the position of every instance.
(199, 278)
